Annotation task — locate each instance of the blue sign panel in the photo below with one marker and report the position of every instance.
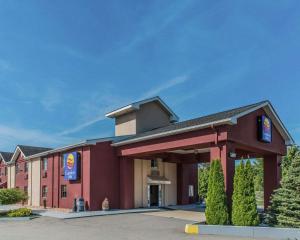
(71, 166)
(265, 129)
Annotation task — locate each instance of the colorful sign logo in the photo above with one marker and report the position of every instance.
(265, 129)
(70, 166)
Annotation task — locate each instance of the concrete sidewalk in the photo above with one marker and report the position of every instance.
(71, 215)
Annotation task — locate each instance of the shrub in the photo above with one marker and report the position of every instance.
(21, 212)
(216, 211)
(285, 202)
(244, 208)
(12, 196)
(203, 175)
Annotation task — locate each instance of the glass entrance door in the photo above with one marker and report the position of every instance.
(154, 196)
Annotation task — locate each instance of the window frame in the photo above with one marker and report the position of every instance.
(17, 168)
(63, 191)
(44, 191)
(45, 166)
(26, 167)
(154, 164)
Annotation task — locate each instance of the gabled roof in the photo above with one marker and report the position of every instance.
(220, 118)
(27, 151)
(6, 156)
(75, 145)
(136, 105)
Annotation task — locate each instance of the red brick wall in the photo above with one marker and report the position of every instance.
(21, 180)
(3, 177)
(55, 178)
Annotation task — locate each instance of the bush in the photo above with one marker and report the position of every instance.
(203, 175)
(244, 208)
(216, 211)
(285, 202)
(21, 212)
(12, 196)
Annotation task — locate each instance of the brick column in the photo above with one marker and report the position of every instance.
(271, 176)
(126, 183)
(222, 152)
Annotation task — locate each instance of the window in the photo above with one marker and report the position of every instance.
(45, 164)
(62, 162)
(5, 171)
(26, 190)
(44, 191)
(154, 164)
(63, 191)
(17, 168)
(26, 167)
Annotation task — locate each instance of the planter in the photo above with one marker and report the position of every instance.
(239, 231)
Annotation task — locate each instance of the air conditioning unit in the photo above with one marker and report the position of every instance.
(44, 174)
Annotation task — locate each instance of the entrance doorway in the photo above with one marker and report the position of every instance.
(154, 196)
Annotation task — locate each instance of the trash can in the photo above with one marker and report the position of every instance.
(80, 204)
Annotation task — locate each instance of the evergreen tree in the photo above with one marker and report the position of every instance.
(244, 208)
(216, 211)
(237, 196)
(203, 175)
(287, 160)
(251, 215)
(285, 202)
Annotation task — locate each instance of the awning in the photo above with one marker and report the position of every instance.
(158, 180)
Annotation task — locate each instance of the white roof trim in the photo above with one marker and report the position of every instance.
(233, 120)
(136, 106)
(2, 158)
(64, 148)
(15, 155)
(174, 132)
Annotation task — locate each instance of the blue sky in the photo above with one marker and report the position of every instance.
(64, 64)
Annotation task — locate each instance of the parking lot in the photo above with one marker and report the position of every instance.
(126, 226)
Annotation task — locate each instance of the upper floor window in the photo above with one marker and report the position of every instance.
(5, 171)
(154, 164)
(26, 167)
(17, 168)
(63, 191)
(62, 162)
(45, 164)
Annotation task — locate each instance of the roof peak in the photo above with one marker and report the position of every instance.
(136, 106)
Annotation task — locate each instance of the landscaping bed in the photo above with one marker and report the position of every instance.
(16, 214)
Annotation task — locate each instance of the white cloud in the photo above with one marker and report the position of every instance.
(93, 110)
(10, 136)
(51, 98)
(166, 85)
(82, 125)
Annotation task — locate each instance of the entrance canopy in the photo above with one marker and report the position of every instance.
(158, 180)
(227, 136)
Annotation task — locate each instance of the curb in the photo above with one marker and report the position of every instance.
(191, 229)
(15, 219)
(240, 231)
